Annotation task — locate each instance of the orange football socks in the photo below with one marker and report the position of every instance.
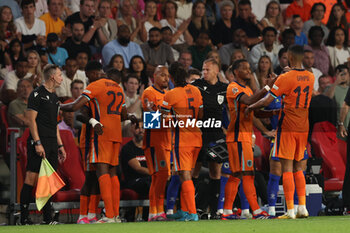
(289, 188)
(300, 186)
(189, 196)
(231, 190)
(152, 196)
(161, 180)
(115, 194)
(93, 204)
(106, 194)
(250, 192)
(84, 202)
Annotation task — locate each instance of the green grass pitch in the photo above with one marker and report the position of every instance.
(313, 224)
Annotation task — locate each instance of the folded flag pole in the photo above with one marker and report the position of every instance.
(49, 183)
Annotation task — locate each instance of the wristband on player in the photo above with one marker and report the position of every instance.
(94, 122)
(267, 88)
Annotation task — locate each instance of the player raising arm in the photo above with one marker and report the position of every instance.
(296, 86)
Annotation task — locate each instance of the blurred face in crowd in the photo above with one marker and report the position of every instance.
(229, 75)
(170, 10)
(284, 60)
(215, 56)
(137, 64)
(318, 13)
(344, 76)
(264, 64)
(28, 11)
(78, 32)
(124, 35)
(82, 60)
(94, 75)
(273, 10)
(192, 78)
(297, 23)
(57, 77)
(21, 69)
(154, 39)
(288, 40)
(138, 131)
(71, 67)
(88, 8)
(167, 36)
(132, 85)
(337, 12)
(77, 90)
(6, 15)
(324, 82)
(126, 8)
(209, 71)
(239, 37)
(161, 77)
(16, 48)
(24, 89)
(44, 60)
(118, 63)
(226, 12)
(105, 9)
(244, 11)
(68, 118)
(33, 60)
(243, 71)
(269, 38)
(237, 55)
(151, 9)
(55, 7)
(186, 60)
(203, 40)
(316, 38)
(309, 60)
(199, 11)
(52, 45)
(339, 37)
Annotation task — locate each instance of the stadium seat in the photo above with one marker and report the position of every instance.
(71, 171)
(325, 145)
(3, 129)
(342, 148)
(262, 162)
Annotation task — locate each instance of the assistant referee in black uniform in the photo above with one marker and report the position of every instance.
(214, 97)
(44, 139)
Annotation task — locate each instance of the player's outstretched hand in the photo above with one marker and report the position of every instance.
(342, 131)
(98, 128)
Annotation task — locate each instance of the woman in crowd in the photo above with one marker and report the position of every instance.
(199, 20)
(34, 67)
(337, 45)
(138, 66)
(337, 17)
(15, 52)
(116, 62)
(264, 71)
(273, 17)
(7, 27)
(178, 26)
(151, 19)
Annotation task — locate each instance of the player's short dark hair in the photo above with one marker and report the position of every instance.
(115, 75)
(74, 82)
(341, 67)
(27, 2)
(296, 50)
(93, 65)
(194, 71)
(173, 68)
(244, 2)
(154, 29)
(70, 58)
(281, 52)
(315, 29)
(269, 29)
(180, 77)
(236, 64)
(166, 28)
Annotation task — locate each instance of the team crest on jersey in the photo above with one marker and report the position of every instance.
(221, 99)
(234, 90)
(162, 163)
(250, 163)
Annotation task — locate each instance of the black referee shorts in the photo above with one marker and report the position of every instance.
(51, 152)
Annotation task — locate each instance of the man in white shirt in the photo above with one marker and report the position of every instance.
(33, 30)
(268, 47)
(9, 89)
(308, 62)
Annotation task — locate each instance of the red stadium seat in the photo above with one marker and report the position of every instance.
(3, 129)
(342, 149)
(325, 145)
(262, 162)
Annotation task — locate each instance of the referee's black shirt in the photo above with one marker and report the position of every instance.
(214, 99)
(46, 105)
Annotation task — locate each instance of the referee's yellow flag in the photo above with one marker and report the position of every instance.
(49, 183)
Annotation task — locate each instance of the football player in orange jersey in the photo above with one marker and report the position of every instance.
(110, 110)
(157, 145)
(239, 140)
(185, 103)
(296, 87)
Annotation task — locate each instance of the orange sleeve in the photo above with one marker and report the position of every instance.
(93, 90)
(147, 97)
(167, 101)
(234, 91)
(281, 85)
